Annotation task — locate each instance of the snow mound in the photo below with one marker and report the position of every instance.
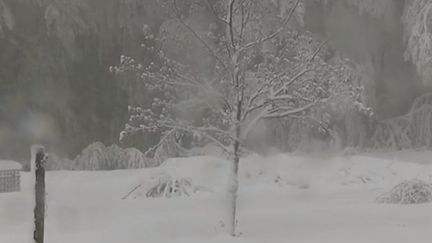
(408, 192)
(9, 165)
(322, 173)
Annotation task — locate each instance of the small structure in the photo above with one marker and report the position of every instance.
(9, 176)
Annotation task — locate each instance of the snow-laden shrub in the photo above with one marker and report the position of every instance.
(55, 162)
(93, 157)
(165, 186)
(408, 192)
(136, 159)
(97, 156)
(412, 130)
(168, 187)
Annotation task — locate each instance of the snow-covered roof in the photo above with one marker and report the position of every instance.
(9, 165)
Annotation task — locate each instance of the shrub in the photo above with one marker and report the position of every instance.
(408, 192)
(168, 187)
(97, 156)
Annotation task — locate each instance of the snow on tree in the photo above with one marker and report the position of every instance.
(417, 18)
(6, 18)
(263, 68)
(411, 130)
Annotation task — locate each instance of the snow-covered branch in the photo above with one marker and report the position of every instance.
(203, 131)
(278, 113)
(287, 84)
(161, 141)
(231, 23)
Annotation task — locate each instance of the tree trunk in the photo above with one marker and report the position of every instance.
(234, 192)
(236, 162)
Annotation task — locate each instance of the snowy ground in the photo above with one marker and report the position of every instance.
(282, 199)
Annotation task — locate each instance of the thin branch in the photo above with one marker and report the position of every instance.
(261, 89)
(172, 124)
(245, 8)
(217, 130)
(163, 139)
(282, 97)
(301, 73)
(243, 24)
(268, 84)
(238, 6)
(131, 191)
(275, 33)
(181, 81)
(195, 34)
(206, 90)
(259, 92)
(292, 80)
(215, 13)
(318, 50)
(226, 45)
(289, 112)
(203, 133)
(254, 108)
(230, 23)
(204, 43)
(264, 114)
(217, 142)
(313, 119)
(252, 123)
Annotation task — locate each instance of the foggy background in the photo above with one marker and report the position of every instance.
(56, 88)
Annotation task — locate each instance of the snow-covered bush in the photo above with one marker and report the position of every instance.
(412, 130)
(169, 187)
(416, 20)
(136, 159)
(55, 162)
(408, 192)
(97, 156)
(165, 186)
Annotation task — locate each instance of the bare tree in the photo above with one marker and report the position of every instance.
(263, 69)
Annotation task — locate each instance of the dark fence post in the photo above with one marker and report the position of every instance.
(39, 210)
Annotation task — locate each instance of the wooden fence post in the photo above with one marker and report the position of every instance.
(39, 210)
